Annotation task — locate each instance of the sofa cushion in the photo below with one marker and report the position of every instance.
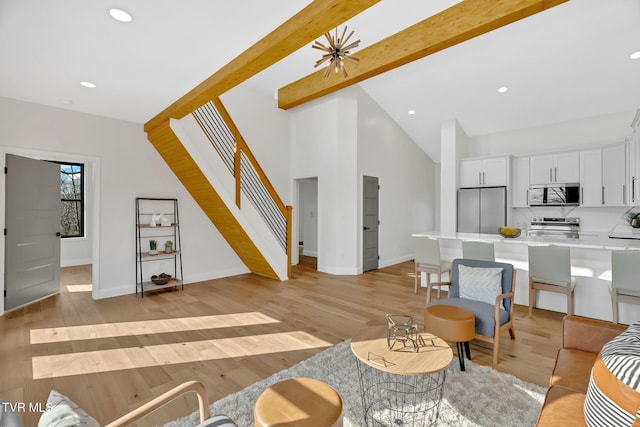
(562, 407)
(613, 396)
(572, 369)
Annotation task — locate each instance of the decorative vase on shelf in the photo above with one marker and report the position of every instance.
(168, 247)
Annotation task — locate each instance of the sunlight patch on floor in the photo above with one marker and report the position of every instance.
(79, 288)
(147, 327)
(61, 365)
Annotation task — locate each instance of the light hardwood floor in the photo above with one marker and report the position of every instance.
(114, 354)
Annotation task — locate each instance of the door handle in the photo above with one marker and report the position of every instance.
(366, 228)
(58, 234)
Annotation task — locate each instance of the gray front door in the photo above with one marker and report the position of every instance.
(32, 242)
(369, 223)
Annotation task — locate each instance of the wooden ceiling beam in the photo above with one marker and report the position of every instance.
(311, 22)
(461, 22)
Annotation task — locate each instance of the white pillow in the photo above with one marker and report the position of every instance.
(480, 283)
(62, 412)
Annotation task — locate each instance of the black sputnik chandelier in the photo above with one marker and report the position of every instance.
(338, 52)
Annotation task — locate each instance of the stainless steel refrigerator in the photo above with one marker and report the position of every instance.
(482, 210)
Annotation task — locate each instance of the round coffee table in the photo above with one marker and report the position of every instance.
(402, 387)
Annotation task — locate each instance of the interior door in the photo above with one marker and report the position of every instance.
(32, 241)
(369, 223)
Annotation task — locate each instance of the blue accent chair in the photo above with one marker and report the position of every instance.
(491, 319)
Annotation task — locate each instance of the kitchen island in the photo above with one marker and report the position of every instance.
(590, 264)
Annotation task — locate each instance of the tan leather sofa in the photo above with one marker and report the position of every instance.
(582, 340)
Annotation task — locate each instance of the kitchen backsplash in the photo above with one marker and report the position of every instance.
(591, 219)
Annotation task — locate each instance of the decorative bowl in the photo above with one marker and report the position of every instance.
(161, 279)
(517, 234)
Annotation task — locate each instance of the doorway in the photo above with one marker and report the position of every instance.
(76, 251)
(308, 220)
(370, 223)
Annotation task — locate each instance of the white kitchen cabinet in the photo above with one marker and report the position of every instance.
(560, 168)
(519, 182)
(603, 175)
(591, 178)
(489, 172)
(614, 175)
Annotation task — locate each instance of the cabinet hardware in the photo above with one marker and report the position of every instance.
(550, 174)
(603, 195)
(555, 170)
(624, 194)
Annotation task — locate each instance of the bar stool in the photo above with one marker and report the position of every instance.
(427, 259)
(625, 282)
(298, 402)
(550, 270)
(474, 249)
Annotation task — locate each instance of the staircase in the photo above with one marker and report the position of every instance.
(209, 156)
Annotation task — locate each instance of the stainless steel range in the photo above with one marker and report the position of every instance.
(568, 227)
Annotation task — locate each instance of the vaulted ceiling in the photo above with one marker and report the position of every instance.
(568, 62)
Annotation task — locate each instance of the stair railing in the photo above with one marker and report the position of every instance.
(250, 179)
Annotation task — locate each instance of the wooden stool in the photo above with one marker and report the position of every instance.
(299, 402)
(451, 323)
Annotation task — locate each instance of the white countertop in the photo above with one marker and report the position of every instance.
(587, 240)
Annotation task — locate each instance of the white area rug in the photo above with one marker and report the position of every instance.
(480, 396)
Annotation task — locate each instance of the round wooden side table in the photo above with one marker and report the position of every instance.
(402, 387)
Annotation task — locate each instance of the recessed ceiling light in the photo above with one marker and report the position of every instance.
(88, 84)
(120, 15)
(503, 89)
(635, 55)
(411, 112)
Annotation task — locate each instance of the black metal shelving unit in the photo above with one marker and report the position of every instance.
(157, 219)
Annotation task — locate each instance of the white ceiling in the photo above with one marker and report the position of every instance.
(569, 62)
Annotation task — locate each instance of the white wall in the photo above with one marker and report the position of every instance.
(452, 147)
(576, 134)
(340, 138)
(266, 130)
(129, 167)
(406, 177)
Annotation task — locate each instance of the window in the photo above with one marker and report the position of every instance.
(72, 199)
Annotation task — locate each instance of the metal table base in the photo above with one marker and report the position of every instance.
(400, 400)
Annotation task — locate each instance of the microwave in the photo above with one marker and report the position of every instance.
(554, 195)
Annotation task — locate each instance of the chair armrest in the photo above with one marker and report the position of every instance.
(499, 298)
(156, 403)
(436, 284)
(585, 334)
